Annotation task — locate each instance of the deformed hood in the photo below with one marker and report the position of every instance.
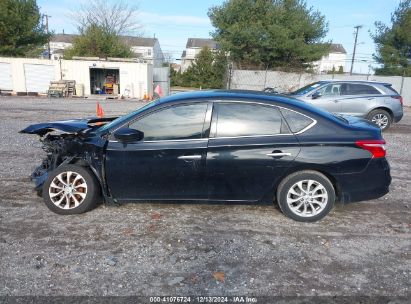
(66, 126)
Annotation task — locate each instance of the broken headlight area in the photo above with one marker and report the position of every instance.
(59, 149)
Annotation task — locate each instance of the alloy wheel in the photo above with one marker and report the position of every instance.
(307, 198)
(68, 190)
(381, 120)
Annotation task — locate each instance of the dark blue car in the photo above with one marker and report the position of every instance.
(237, 146)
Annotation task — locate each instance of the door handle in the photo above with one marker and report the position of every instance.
(189, 157)
(278, 154)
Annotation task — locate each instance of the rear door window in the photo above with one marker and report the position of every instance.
(296, 121)
(358, 89)
(247, 119)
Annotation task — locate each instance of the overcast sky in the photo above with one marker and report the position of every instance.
(172, 22)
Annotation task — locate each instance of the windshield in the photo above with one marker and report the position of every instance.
(121, 119)
(307, 88)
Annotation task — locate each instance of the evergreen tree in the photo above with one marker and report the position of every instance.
(21, 31)
(95, 41)
(394, 43)
(270, 33)
(207, 71)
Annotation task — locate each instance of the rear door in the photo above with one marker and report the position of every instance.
(357, 99)
(250, 146)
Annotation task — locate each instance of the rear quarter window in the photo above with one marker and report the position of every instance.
(296, 121)
(391, 90)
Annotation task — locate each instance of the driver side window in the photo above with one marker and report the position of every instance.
(332, 89)
(175, 122)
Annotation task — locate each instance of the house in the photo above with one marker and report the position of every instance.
(59, 43)
(336, 58)
(146, 50)
(193, 47)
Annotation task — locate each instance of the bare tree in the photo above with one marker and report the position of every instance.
(118, 18)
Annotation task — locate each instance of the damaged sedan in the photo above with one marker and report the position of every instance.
(237, 146)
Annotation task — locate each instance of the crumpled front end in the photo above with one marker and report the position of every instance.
(68, 142)
(59, 149)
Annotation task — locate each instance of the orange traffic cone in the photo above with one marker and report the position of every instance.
(99, 111)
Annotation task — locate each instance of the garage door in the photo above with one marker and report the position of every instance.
(6, 82)
(38, 77)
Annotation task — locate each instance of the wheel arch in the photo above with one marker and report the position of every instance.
(319, 169)
(78, 161)
(388, 110)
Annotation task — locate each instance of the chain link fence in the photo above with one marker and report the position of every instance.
(285, 82)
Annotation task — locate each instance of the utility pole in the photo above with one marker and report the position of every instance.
(47, 30)
(355, 46)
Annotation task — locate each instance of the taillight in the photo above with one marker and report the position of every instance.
(376, 147)
(400, 99)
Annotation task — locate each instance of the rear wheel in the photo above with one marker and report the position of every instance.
(71, 189)
(306, 196)
(381, 118)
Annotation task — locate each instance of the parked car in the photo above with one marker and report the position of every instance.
(240, 146)
(375, 101)
(271, 90)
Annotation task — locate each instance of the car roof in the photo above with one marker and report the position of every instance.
(259, 96)
(356, 81)
(230, 94)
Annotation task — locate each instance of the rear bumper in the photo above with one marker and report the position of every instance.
(369, 184)
(398, 116)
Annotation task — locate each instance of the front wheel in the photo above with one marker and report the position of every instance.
(306, 196)
(71, 189)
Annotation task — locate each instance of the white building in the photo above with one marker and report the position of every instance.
(59, 43)
(193, 47)
(146, 50)
(336, 58)
(26, 75)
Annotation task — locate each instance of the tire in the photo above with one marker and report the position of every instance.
(381, 118)
(306, 208)
(39, 192)
(82, 194)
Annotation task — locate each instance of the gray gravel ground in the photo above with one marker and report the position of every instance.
(176, 249)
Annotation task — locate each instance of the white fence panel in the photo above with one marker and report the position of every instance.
(6, 80)
(38, 77)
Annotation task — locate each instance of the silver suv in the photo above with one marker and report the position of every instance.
(375, 101)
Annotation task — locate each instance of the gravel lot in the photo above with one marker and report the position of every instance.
(360, 249)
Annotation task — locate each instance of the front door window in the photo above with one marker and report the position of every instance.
(173, 123)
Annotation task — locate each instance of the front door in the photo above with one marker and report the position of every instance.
(329, 98)
(170, 161)
(250, 147)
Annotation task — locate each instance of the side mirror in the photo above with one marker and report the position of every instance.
(316, 95)
(128, 135)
